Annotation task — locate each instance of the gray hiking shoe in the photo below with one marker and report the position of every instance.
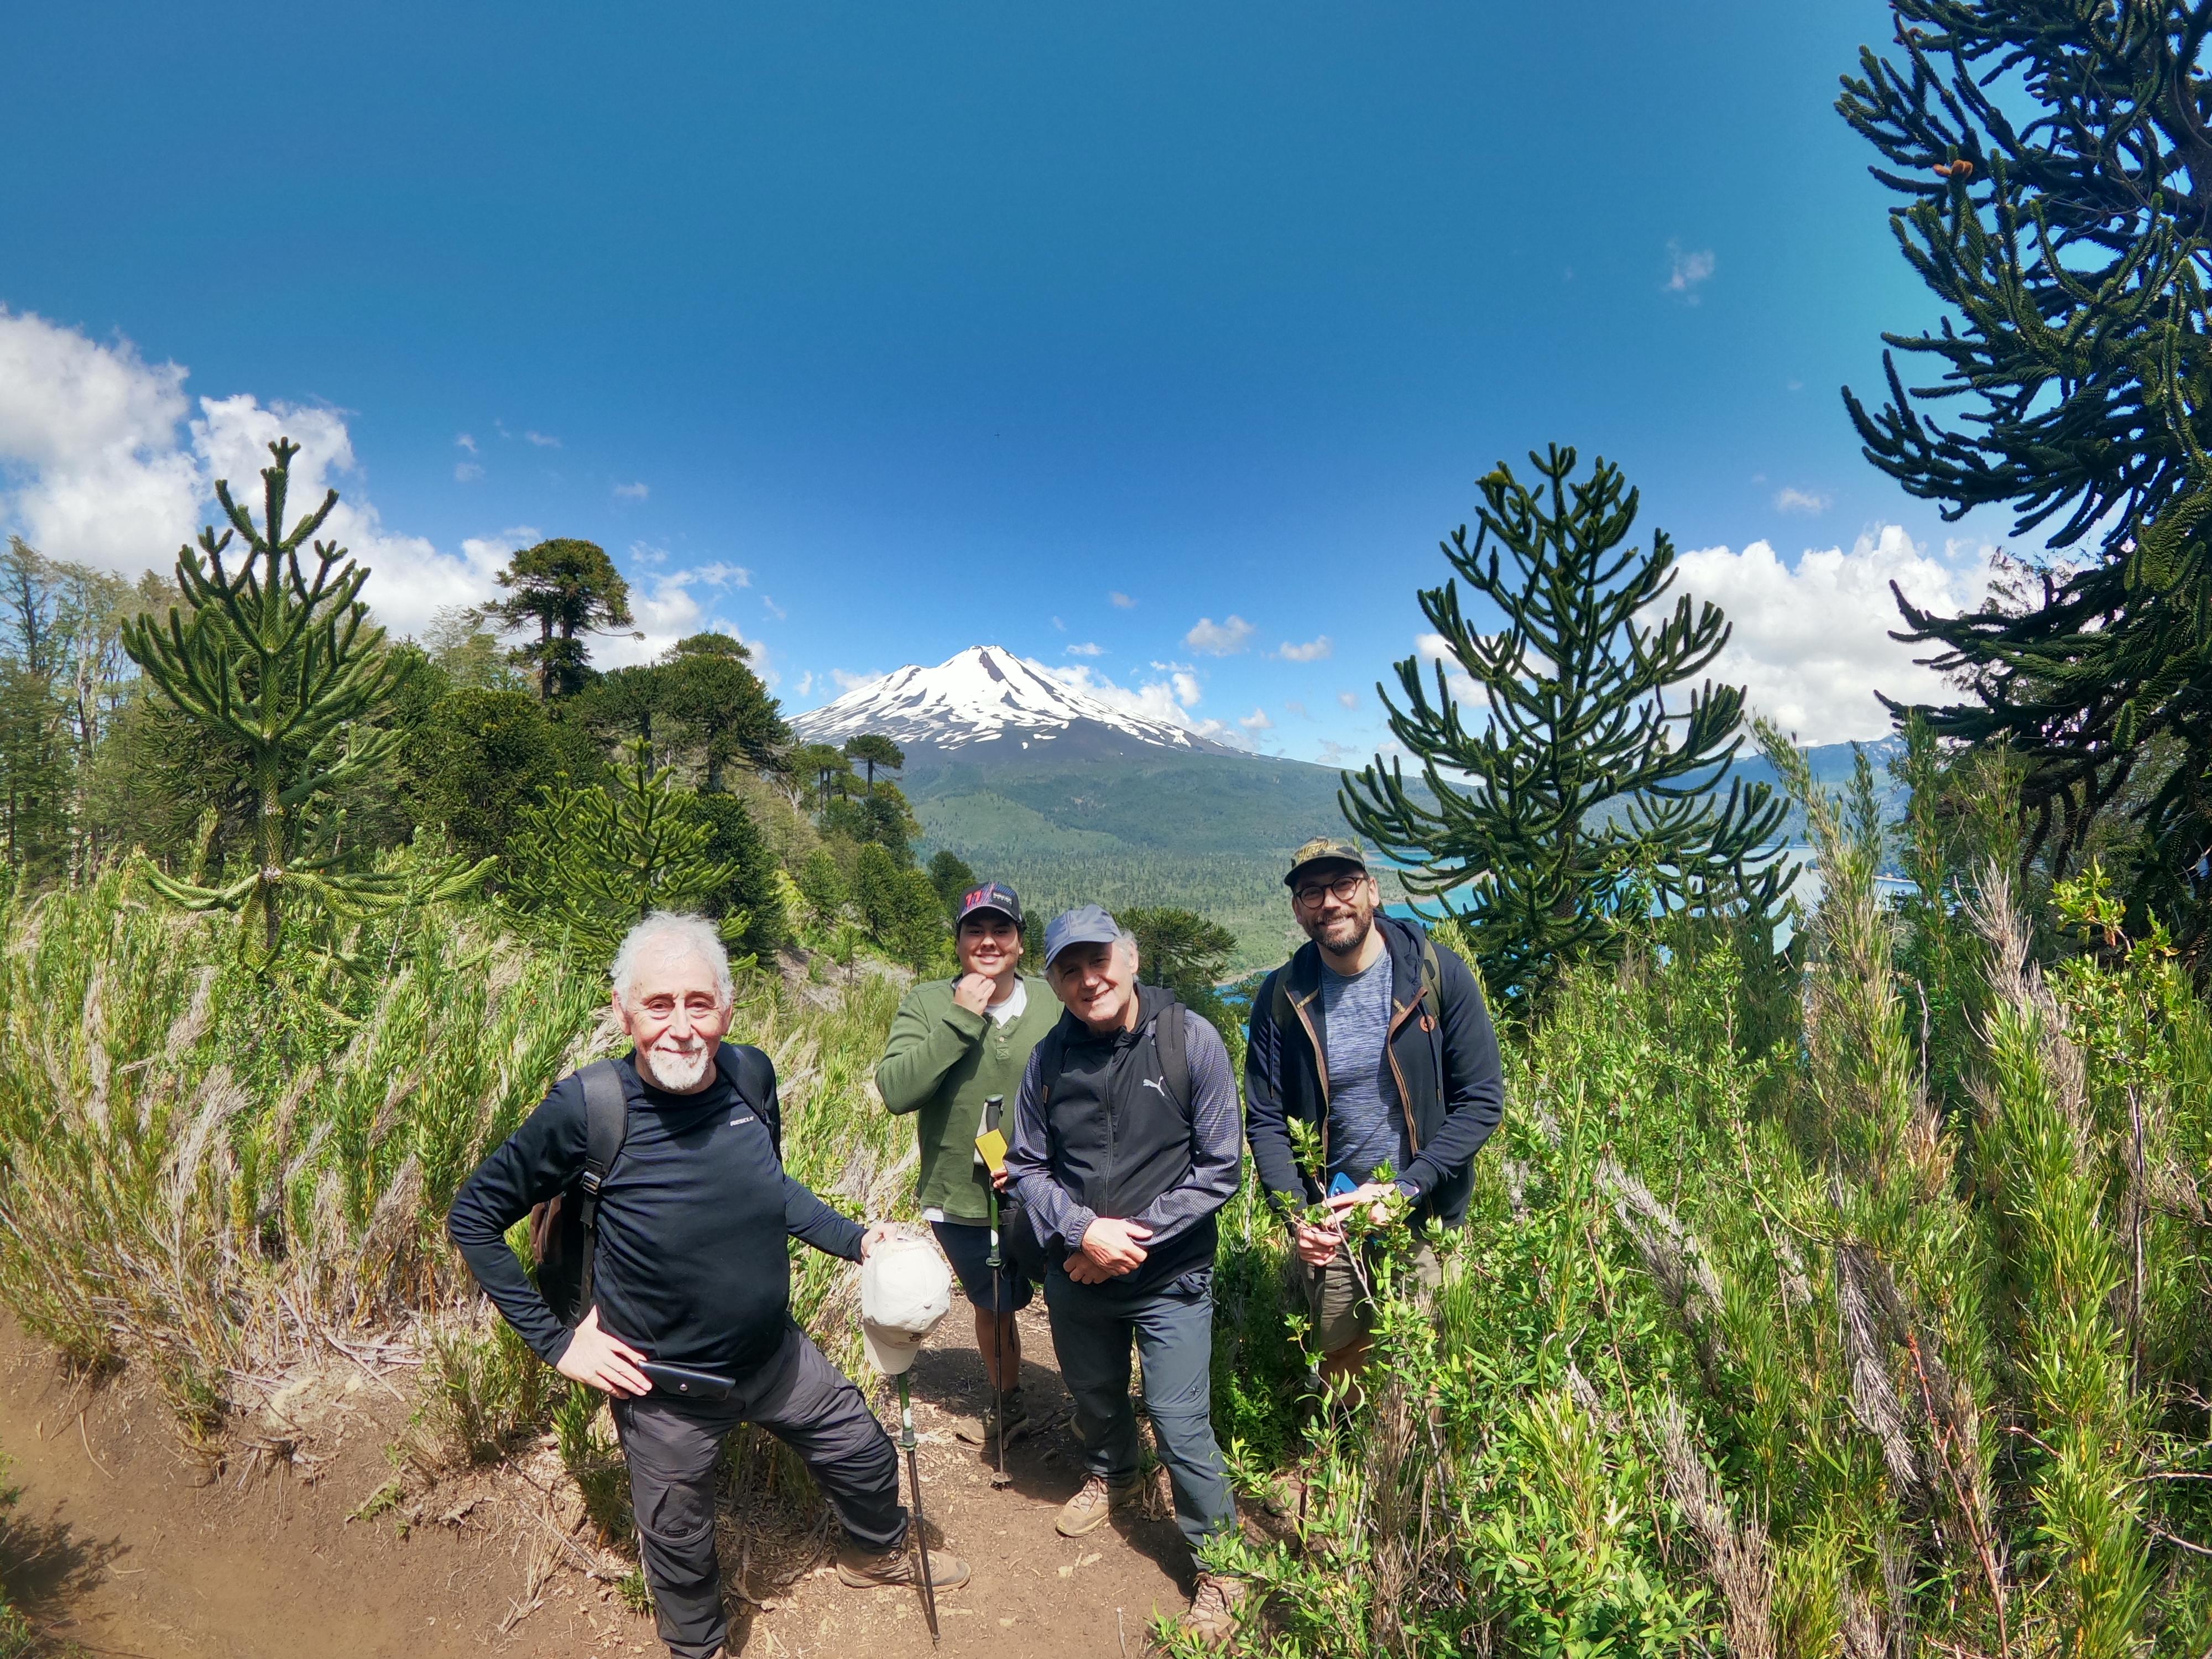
(1089, 1508)
(899, 1568)
(984, 1431)
(1215, 1610)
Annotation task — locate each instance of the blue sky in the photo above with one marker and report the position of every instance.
(872, 332)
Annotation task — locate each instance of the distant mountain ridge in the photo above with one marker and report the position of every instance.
(985, 696)
(1073, 800)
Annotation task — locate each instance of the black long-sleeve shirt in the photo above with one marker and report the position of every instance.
(690, 1266)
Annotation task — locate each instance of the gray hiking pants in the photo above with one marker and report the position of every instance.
(672, 1444)
(1093, 1327)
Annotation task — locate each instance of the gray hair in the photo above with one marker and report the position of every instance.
(694, 935)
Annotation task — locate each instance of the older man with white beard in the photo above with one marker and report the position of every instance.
(690, 1278)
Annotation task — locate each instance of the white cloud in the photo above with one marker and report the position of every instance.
(1299, 709)
(462, 440)
(773, 609)
(1168, 701)
(1058, 626)
(1435, 647)
(1212, 639)
(1688, 270)
(1348, 699)
(1341, 755)
(668, 611)
(1257, 720)
(1086, 649)
(1792, 500)
(466, 471)
(850, 682)
(542, 440)
(1312, 651)
(102, 467)
(719, 575)
(1123, 602)
(1811, 643)
(632, 492)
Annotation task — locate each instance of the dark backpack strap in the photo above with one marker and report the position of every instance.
(1052, 1055)
(606, 1120)
(1432, 972)
(752, 1074)
(1172, 1039)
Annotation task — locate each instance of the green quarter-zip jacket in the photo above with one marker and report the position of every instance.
(944, 1061)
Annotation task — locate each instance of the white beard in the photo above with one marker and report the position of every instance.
(678, 1071)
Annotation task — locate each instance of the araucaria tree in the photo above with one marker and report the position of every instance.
(1584, 791)
(2055, 160)
(286, 666)
(566, 588)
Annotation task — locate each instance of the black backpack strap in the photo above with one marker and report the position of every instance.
(1432, 972)
(1171, 1038)
(1052, 1055)
(606, 1120)
(752, 1074)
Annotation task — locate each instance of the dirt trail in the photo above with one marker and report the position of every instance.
(127, 1553)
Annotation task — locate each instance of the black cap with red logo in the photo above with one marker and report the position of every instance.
(991, 896)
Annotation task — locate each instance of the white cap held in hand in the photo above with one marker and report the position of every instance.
(905, 1289)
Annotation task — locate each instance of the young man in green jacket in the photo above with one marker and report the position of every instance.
(954, 1044)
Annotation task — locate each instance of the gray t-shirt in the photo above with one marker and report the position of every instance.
(1363, 1131)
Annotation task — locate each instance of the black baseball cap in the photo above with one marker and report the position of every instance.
(991, 896)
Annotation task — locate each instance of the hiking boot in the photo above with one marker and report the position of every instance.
(1213, 1610)
(1088, 1510)
(899, 1568)
(984, 1431)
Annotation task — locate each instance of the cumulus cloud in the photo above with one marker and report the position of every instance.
(1123, 602)
(1791, 499)
(1212, 639)
(773, 609)
(466, 471)
(1297, 708)
(542, 440)
(1812, 642)
(1086, 649)
(1168, 699)
(1435, 647)
(851, 682)
(106, 461)
(1688, 270)
(632, 492)
(1312, 651)
(1348, 699)
(1257, 720)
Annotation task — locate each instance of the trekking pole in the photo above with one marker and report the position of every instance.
(914, 1480)
(999, 1315)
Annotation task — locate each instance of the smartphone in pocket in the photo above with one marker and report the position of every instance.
(687, 1382)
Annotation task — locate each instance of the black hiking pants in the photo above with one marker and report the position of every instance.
(672, 1445)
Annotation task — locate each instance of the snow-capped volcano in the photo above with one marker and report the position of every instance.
(988, 695)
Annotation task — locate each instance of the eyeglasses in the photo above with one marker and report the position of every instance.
(1310, 893)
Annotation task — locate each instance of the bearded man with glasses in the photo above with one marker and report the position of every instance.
(1377, 1037)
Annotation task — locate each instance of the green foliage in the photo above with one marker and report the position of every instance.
(287, 668)
(565, 588)
(592, 1454)
(719, 707)
(18, 1638)
(899, 908)
(1592, 801)
(2048, 159)
(469, 654)
(821, 881)
(949, 874)
(588, 865)
(1184, 952)
(479, 758)
(877, 815)
(870, 750)
(749, 903)
(483, 1395)
(210, 1153)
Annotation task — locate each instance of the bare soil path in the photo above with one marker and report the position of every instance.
(120, 1548)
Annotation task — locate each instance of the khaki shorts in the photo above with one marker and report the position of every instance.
(1338, 1301)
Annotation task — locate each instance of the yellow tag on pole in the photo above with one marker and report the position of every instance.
(991, 1147)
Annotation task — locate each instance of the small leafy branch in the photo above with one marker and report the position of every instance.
(288, 668)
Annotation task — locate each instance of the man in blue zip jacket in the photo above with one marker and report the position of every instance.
(1125, 1147)
(1378, 1038)
(690, 1269)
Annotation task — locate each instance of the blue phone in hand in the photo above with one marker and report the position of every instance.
(1343, 1184)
